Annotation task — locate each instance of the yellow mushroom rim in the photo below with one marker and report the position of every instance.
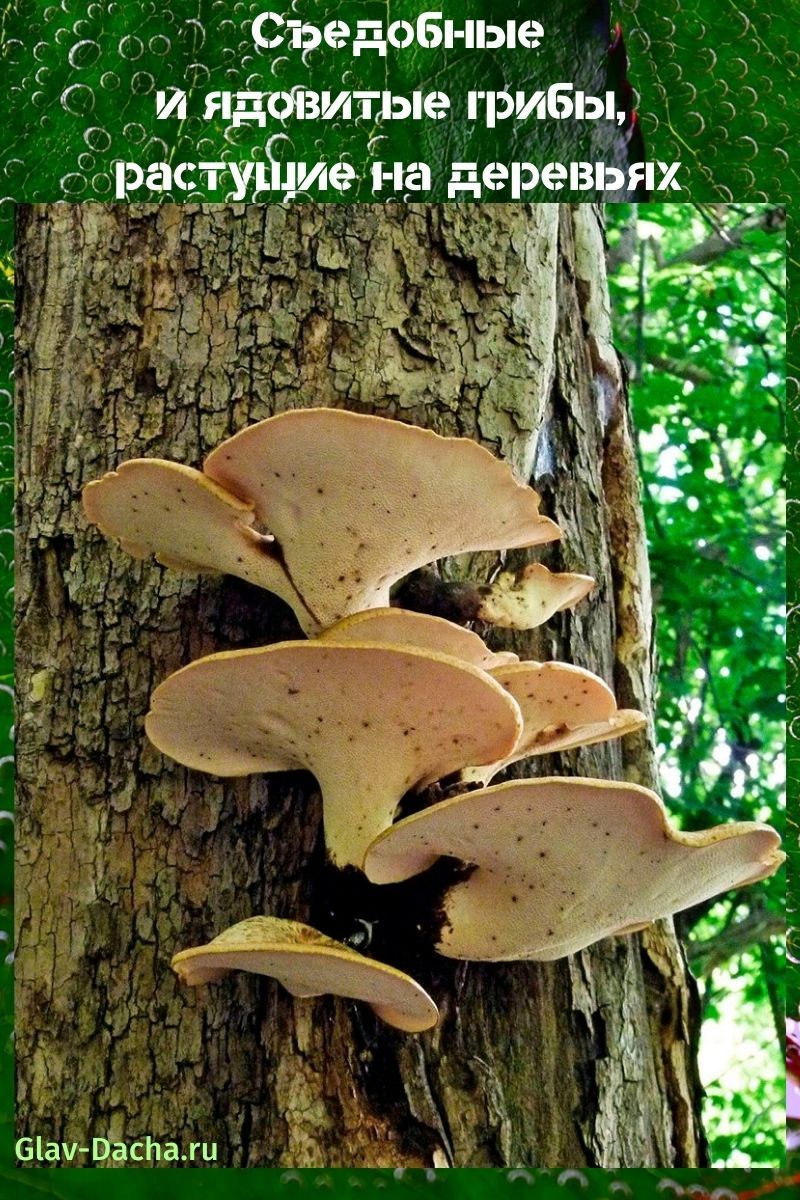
(368, 720)
(562, 863)
(354, 502)
(563, 707)
(528, 598)
(307, 963)
(399, 627)
(189, 523)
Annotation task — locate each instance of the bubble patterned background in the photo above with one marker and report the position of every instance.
(465, 1184)
(85, 76)
(716, 86)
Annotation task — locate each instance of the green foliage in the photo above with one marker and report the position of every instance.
(745, 1123)
(704, 341)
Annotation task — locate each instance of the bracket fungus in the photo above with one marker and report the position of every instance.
(399, 627)
(562, 863)
(352, 502)
(189, 523)
(307, 963)
(528, 598)
(562, 707)
(368, 720)
(329, 509)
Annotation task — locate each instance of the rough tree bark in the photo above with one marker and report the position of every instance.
(147, 331)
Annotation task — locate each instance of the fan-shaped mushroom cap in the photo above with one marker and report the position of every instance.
(188, 522)
(525, 599)
(562, 863)
(368, 720)
(308, 963)
(400, 627)
(356, 502)
(562, 707)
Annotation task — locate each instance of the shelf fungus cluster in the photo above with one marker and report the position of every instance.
(329, 510)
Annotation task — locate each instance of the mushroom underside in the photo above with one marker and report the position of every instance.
(562, 706)
(562, 863)
(368, 720)
(307, 964)
(350, 503)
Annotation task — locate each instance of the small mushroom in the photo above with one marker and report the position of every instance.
(368, 720)
(307, 963)
(399, 627)
(189, 523)
(562, 707)
(561, 863)
(528, 598)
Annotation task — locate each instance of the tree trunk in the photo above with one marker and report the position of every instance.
(158, 332)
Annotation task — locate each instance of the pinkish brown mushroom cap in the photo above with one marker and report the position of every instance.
(562, 863)
(352, 503)
(307, 963)
(528, 598)
(368, 720)
(562, 707)
(187, 522)
(399, 627)
(356, 501)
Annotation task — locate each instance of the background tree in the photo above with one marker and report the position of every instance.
(699, 299)
(159, 332)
